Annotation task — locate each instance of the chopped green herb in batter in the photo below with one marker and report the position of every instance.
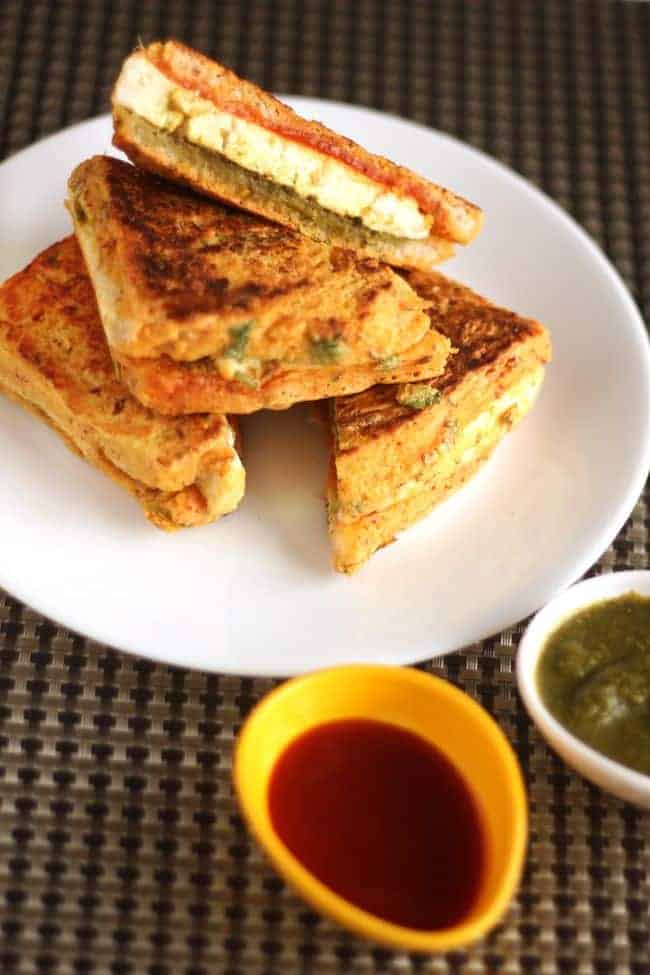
(417, 396)
(326, 351)
(390, 362)
(247, 379)
(239, 337)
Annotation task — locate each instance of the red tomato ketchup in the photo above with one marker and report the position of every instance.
(382, 818)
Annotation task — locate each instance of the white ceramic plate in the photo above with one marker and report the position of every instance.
(255, 594)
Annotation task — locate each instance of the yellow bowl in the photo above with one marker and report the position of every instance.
(429, 707)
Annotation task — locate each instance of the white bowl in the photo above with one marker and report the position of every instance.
(610, 775)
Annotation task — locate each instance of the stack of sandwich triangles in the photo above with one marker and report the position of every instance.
(250, 260)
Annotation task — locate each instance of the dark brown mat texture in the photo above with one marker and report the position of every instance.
(121, 850)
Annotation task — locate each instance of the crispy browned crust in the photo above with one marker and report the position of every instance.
(393, 462)
(184, 271)
(54, 361)
(479, 331)
(216, 83)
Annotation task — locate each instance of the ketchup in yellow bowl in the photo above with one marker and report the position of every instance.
(389, 799)
(392, 827)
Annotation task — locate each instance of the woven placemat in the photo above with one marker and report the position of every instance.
(121, 850)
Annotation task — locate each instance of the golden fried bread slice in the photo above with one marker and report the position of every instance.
(181, 115)
(179, 275)
(54, 361)
(194, 387)
(211, 173)
(398, 450)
